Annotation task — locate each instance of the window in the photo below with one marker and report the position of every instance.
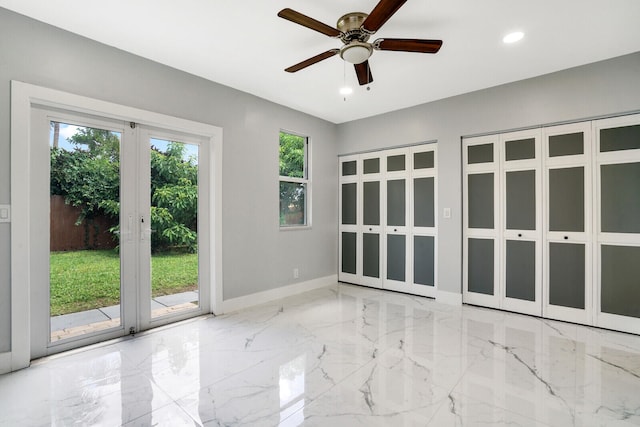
(294, 180)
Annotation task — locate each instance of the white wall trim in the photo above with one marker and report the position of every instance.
(449, 298)
(235, 304)
(23, 96)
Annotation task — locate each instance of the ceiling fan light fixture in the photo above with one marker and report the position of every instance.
(346, 90)
(356, 52)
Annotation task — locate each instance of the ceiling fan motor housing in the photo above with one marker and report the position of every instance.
(356, 50)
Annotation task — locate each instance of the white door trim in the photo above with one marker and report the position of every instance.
(23, 96)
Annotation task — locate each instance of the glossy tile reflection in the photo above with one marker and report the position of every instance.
(340, 356)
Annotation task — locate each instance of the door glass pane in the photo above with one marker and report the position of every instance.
(566, 145)
(521, 200)
(349, 253)
(521, 149)
(480, 153)
(521, 270)
(567, 275)
(371, 202)
(566, 199)
(480, 200)
(480, 267)
(620, 198)
(423, 199)
(395, 163)
(349, 200)
(396, 202)
(622, 138)
(620, 292)
(371, 165)
(423, 160)
(371, 255)
(396, 257)
(84, 262)
(174, 227)
(349, 168)
(423, 260)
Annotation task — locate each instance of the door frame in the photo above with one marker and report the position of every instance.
(23, 97)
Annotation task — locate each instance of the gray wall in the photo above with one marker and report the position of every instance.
(256, 255)
(602, 88)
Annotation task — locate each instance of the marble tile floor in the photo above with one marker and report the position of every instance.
(340, 356)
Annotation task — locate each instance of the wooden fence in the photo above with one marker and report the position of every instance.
(67, 236)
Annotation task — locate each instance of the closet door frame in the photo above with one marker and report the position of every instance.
(494, 233)
(514, 304)
(603, 319)
(583, 316)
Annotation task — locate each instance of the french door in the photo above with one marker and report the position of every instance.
(119, 232)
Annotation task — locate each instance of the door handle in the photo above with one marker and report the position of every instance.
(145, 232)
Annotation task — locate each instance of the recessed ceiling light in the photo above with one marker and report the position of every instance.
(513, 37)
(346, 90)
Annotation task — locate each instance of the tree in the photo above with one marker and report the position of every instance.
(89, 177)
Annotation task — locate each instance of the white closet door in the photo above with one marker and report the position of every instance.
(521, 194)
(481, 221)
(567, 290)
(372, 220)
(396, 231)
(617, 213)
(349, 227)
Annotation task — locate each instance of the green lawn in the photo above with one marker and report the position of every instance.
(83, 280)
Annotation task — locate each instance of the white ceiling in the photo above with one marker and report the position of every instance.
(243, 44)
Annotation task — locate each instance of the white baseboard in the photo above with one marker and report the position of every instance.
(450, 298)
(239, 303)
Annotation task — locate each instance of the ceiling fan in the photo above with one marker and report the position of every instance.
(354, 29)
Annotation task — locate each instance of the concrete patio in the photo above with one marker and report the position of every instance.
(74, 324)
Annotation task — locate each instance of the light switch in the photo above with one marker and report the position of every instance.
(5, 213)
(446, 213)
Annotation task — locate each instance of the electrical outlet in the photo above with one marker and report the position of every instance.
(5, 213)
(446, 213)
(296, 273)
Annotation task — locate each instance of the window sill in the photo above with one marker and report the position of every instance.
(294, 227)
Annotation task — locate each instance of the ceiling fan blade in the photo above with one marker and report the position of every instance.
(311, 61)
(306, 21)
(381, 14)
(363, 71)
(408, 45)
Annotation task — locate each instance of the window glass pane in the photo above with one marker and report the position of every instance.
(521, 270)
(480, 266)
(622, 138)
(566, 199)
(349, 168)
(566, 274)
(521, 200)
(620, 198)
(396, 202)
(423, 260)
(480, 153)
(292, 203)
(371, 165)
(423, 160)
(566, 145)
(396, 250)
(371, 202)
(620, 292)
(480, 200)
(520, 149)
(395, 163)
(371, 255)
(349, 200)
(423, 202)
(349, 253)
(292, 155)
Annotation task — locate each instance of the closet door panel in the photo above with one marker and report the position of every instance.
(567, 275)
(423, 260)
